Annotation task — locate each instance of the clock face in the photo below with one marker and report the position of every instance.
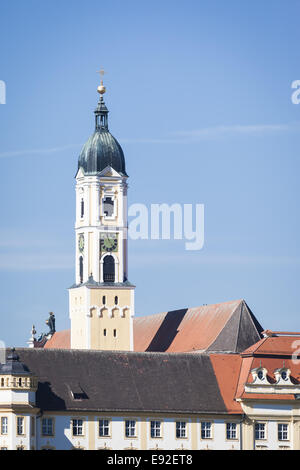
(109, 241)
(81, 243)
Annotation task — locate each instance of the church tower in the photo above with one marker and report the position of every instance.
(101, 302)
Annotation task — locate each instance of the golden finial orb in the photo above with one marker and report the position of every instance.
(101, 88)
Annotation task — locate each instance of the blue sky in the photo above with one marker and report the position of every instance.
(199, 94)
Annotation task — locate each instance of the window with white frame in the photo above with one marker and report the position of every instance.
(180, 429)
(231, 431)
(206, 430)
(260, 431)
(20, 425)
(103, 427)
(155, 429)
(130, 426)
(283, 431)
(4, 425)
(47, 427)
(77, 427)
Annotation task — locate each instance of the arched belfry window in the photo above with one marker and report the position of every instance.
(108, 206)
(81, 269)
(81, 208)
(109, 269)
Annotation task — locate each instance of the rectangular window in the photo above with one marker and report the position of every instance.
(155, 428)
(130, 428)
(231, 431)
(180, 429)
(205, 430)
(4, 425)
(77, 427)
(20, 425)
(47, 426)
(103, 427)
(260, 431)
(283, 432)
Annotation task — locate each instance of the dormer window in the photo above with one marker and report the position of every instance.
(282, 376)
(260, 375)
(77, 393)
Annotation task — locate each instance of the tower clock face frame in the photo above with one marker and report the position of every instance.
(81, 242)
(108, 242)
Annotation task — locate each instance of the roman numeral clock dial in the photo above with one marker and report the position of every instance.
(108, 242)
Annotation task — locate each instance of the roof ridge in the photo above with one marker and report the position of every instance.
(190, 308)
(239, 324)
(261, 341)
(107, 352)
(250, 315)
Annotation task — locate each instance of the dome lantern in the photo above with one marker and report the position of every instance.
(101, 149)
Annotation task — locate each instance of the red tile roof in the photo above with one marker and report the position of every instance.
(197, 329)
(60, 340)
(272, 352)
(275, 345)
(227, 368)
(193, 329)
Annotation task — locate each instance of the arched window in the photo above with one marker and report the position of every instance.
(104, 300)
(82, 208)
(81, 269)
(116, 300)
(108, 206)
(109, 269)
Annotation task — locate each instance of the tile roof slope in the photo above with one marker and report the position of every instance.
(271, 353)
(227, 369)
(275, 345)
(228, 326)
(60, 340)
(119, 381)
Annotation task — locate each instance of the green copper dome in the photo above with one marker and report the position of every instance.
(101, 149)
